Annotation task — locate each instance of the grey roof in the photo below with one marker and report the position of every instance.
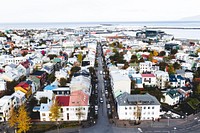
(140, 99)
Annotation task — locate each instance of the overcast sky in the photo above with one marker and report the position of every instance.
(96, 10)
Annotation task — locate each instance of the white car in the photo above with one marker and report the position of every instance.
(101, 100)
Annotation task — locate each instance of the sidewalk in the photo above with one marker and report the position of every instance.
(157, 124)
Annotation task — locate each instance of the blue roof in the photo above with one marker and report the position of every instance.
(172, 78)
(29, 82)
(50, 87)
(180, 77)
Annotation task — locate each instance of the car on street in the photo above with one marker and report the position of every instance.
(101, 100)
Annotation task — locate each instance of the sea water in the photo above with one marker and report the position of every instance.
(171, 26)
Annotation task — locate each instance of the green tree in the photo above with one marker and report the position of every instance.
(134, 59)
(150, 58)
(23, 120)
(63, 82)
(197, 90)
(115, 50)
(52, 56)
(162, 66)
(162, 53)
(171, 69)
(74, 70)
(43, 100)
(176, 65)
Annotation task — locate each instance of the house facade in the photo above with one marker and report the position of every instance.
(138, 107)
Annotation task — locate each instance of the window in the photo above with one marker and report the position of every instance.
(50, 114)
(130, 108)
(43, 114)
(144, 107)
(125, 113)
(61, 110)
(148, 107)
(67, 109)
(125, 108)
(152, 107)
(152, 113)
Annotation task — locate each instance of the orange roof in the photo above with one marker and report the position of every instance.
(78, 98)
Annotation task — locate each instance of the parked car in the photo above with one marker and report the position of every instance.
(101, 100)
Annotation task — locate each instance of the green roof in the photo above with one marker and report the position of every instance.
(55, 60)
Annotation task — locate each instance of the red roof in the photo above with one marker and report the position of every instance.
(24, 85)
(148, 75)
(25, 64)
(63, 100)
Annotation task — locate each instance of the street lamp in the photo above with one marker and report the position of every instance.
(168, 121)
(174, 129)
(186, 115)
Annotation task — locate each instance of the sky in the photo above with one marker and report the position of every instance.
(13, 11)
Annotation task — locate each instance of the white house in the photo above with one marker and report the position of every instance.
(137, 107)
(48, 67)
(147, 66)
(2, 83)
(20, 97)
(138, 80)
(148, 79)
(180, 80)
(120, 82)
(74, 107)
(6, 103)
(172, 97)
(161, 79)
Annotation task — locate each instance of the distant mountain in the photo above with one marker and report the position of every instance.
(191, 18)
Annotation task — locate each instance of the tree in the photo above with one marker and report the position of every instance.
(12, 121)
(63, 82)
(174, 51)
(79, 57)
(133, 84)
(74, 70)
(23, 120)
(155, 53)
(43, 100)
(162, 53)
(197, 90)
(55, 112)
(176, 65)
(150, 57)
(162, 66)
(79, 114)
(52, 56)
(134, 59)
(171, 69)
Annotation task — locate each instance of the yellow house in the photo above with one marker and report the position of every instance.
(24, 87)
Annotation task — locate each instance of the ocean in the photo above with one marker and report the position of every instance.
(192, 33)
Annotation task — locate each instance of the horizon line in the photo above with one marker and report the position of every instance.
(102, 21)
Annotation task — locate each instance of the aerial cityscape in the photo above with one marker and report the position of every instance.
(98, 66)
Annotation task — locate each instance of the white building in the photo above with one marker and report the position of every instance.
(148, 79)
(172, 97)
(137, 107)
(120, 82)
(147, 66)
(161, 79)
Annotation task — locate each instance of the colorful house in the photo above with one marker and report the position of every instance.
(24, 87)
